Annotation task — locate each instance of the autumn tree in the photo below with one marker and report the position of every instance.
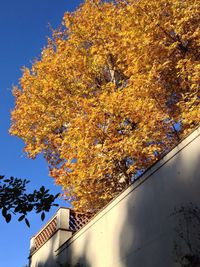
(103, 101)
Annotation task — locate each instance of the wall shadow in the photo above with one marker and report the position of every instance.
(187, 236)
(67, 257)
(54, 260)
(150, 223)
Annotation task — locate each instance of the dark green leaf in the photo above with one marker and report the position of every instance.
(42, 189)
(42, 216)
(21, 218)
(57, 195)
(8, 218)
(27, 222)
(17, 208)
(4, 212)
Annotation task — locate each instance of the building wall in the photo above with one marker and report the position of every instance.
(45, 256)
(140, 228)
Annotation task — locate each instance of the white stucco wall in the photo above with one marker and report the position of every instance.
(138, 228)
(45, 256)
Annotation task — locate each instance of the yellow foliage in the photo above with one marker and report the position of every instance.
(103, 100)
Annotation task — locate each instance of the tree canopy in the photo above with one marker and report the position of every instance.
(103, 101)
(15, 200)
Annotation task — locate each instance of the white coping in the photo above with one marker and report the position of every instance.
(185, 142)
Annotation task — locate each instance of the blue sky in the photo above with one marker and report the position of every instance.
(23, 32)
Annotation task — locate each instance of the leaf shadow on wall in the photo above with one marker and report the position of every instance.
(149, 226)
(187, 237)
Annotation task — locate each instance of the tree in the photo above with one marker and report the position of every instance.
(15, 200)
(104, 100)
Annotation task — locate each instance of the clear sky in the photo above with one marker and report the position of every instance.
(23, 32)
